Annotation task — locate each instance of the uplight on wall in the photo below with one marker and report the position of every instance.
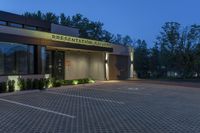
(106, 66)
(131, 53)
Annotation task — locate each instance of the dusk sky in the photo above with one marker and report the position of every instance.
(137, 18)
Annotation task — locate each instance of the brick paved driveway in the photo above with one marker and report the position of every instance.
(124, 107)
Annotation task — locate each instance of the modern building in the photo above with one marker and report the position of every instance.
(31, 48)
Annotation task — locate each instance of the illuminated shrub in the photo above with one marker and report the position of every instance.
(11, 86)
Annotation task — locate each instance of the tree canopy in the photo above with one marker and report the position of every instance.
(176, 53)
(87, 28)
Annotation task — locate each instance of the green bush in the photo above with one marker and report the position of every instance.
(42, 84)
(11, 86)
(81, 81)
(47, 83)
(91, 81)
(22, 84)
(29, 84)
(3, 87)
(69, 82)
(35, 84)
(75, 82)
(57, 83)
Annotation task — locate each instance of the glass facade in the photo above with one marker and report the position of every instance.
(16, 58)
(43, 59)
(49, 62)
(3, 23)
(15, 25)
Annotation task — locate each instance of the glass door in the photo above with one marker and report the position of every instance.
(58, 64)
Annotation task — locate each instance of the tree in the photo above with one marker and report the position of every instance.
(197, 60)
(154, 61)
(118, 39)
(87, 28)
(107, 36)
(179, 49)
(127, 40)
(194, 38)
(66, 21)
(168, 41)
(95, 30)
(141, 61)
(51, 17)
(38, 15)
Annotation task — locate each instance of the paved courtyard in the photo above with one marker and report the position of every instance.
(110, 107)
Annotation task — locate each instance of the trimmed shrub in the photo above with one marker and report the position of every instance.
(3, 87)
(11, 86)
(91, 81)
(22, 84)
(81, 81)
(75, 82)
(41, 84)
(57, 83)
(35, 84)
(29, 84)
(68, 82)
(47, 83)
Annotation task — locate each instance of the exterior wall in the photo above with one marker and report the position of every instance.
(84, 65)
(19, 19)
(120, 50)
(118, 67)
(64, 30)
(124, 51)
(76, 65)
(97, 66)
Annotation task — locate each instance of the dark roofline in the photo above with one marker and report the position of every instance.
(15, 18)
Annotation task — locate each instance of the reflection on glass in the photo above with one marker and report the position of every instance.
(16, 58)
(48, 62)
(1, 62)
(43, 59)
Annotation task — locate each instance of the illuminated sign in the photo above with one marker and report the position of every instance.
(77, 40)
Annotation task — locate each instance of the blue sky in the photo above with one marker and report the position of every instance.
(137, 18)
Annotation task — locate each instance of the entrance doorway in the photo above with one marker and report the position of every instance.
(58, 64)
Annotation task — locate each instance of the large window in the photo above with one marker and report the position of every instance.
(16, 58)
(49, 62)
(3, 22)
(15, 25)
(43, 59)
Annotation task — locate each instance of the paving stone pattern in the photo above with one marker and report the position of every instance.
(122, 107)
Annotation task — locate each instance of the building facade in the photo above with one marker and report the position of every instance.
(31, 48)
